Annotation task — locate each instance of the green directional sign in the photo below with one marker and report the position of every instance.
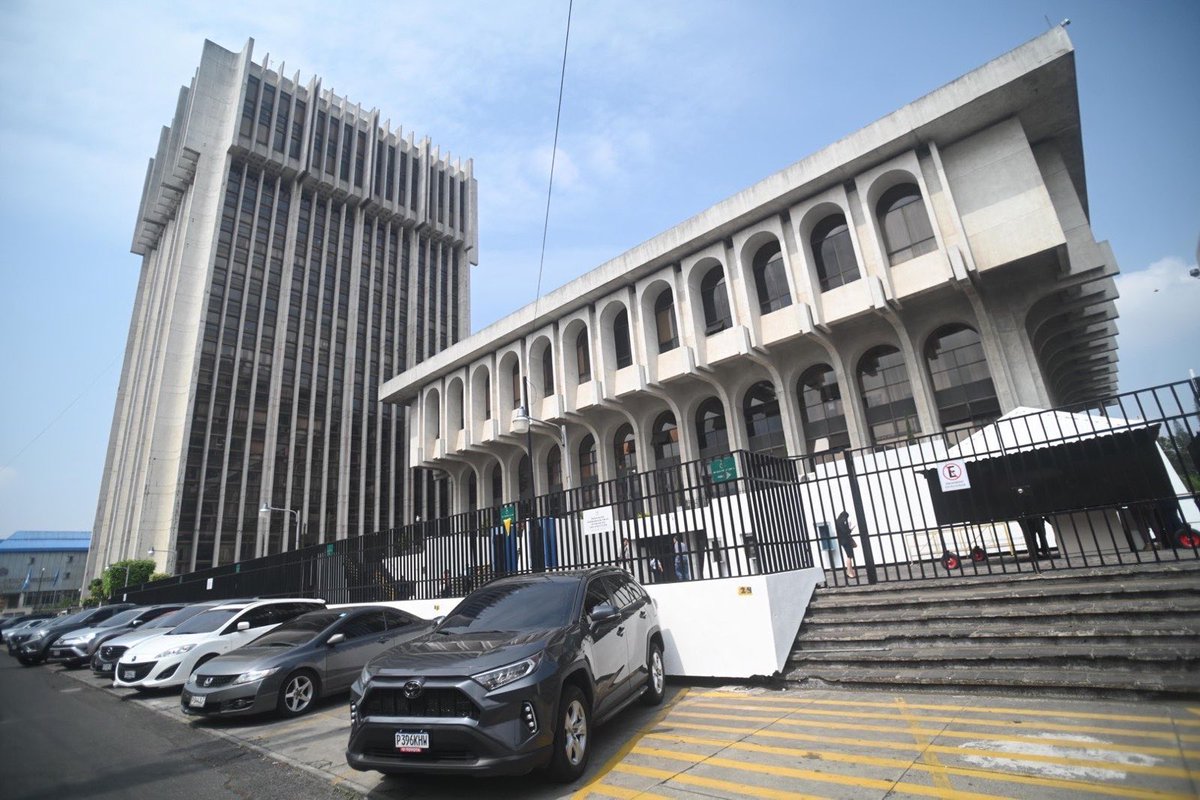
(508, 516)
(329, 549)
(237, 567)
(723, 469)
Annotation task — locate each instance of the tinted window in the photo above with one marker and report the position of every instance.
(625, 592)
(369, 624)
(122, 618)
(518, 606)
(258, 617)
(206, 622)
(149, 614)
(597, 594)
(178, 617)
(301, 630)
(398, 619)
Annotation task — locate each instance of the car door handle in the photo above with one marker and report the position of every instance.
(621, 631)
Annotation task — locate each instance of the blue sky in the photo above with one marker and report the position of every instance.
(669, 108)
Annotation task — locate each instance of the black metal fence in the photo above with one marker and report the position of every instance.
(732, 516)
(1111, 483)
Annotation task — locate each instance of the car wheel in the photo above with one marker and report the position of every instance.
(298, 693)
(28, 661)
(656, 684)
(572, 738)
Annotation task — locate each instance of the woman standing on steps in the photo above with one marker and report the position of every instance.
(845, 537)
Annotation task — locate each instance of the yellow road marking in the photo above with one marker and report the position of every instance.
(618, 756)
(900, 763)
(920, 737)
(1083, 744)
(1029, 712)
(1060, 727)
(612, 790)
(737, 789)
(813, 775)
(1169, 772)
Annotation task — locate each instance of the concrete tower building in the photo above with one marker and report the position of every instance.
(297, 251)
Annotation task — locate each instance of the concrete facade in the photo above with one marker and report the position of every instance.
(927, 273)
(297, 249)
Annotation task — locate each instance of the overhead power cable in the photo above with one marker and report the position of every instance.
(562, 79)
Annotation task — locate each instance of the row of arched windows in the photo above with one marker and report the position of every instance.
(963, 390)
(907, 233)
(964, 394)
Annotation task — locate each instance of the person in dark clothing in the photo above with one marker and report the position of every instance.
(447, 589)
(1034, 531)
(845, 537)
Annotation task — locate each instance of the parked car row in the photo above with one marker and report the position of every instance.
(514, 679)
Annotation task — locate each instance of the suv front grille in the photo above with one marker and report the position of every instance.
(433, 702)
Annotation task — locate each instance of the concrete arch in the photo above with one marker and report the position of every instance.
(648, 300)
(455, 411)
(538, 390)
(483, 400)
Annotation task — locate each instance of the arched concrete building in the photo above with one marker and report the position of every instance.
(927, 273)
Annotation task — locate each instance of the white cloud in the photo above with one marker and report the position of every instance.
(1159, 339)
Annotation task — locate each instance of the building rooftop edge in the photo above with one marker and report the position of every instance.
(722, 217)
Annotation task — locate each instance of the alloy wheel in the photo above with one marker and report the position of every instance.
(575, 723)
(298, 693)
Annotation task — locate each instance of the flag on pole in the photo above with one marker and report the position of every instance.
(56, 573)
(28, 577)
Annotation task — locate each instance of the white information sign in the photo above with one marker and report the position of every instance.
(208, 584)
(953, 475)
(598, 520)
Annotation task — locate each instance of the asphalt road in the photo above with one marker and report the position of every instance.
(60, 739)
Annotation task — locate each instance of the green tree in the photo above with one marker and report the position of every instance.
(133, 572)
(96, 594)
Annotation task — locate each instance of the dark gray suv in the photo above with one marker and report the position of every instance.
(515, 678)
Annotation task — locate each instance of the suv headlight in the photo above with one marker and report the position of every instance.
(174, 651)
(254, 675)
(71, 641)
(36, 636)
(502, 676)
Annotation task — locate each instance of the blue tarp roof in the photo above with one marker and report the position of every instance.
(42, 541)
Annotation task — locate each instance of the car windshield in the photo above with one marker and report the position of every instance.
(517, 606)
(177, 617)
(76, 617)
(121, 619)
(299, 631)
(206, 622)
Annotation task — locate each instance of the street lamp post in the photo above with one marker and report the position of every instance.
(266, 510)
(523, 423)
(41, 575)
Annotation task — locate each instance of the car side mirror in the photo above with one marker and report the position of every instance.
(243, 626)
(603, 612)
(135, 623)
(336, 639)
(439, 620)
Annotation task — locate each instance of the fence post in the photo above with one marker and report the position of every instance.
(860, 518)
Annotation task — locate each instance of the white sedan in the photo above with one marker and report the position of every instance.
(169, 660)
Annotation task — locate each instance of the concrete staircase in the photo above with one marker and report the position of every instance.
(1132, 629)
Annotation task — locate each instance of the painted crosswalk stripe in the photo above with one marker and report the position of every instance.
(737, 789)
(878, 744)
(1058, 727)
(1082, 744)
(856, 759)
(779, 771)
(1029, 712)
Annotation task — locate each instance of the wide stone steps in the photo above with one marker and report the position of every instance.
(1106, 629)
